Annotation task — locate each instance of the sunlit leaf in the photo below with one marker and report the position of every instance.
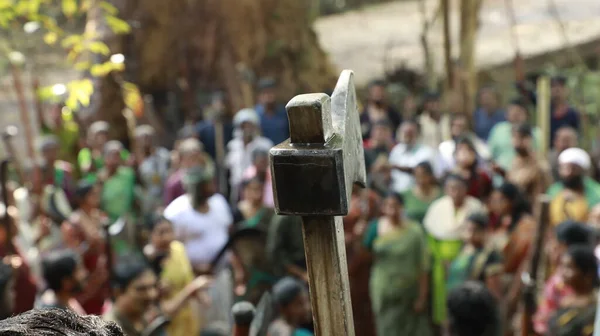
(6, 4)
(100, 70)
(82, 91)
(45, 93)
(50, 38)
(133, 98)
(69, 7)
(71, 40)
(99, 47)
(82, 66)
(117, 25)
(109, 8)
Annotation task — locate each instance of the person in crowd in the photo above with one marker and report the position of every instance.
(399, 283)
(407, 154)
(577, 311)
(575, 194)
(55, 172)
(500, 139)
(65, 277)
(57, 322)
(191, 154)
(91, 158)
(567, 234)
(83, 234)
(291, 299)
(260, 169)
(380, 143)
(478, 260)
(459, 129)
(435, 124)
(172, 266)
(488, 114)
(565, 138)
(445, 224)
(118, 181)
(201, 218)
(285, 247)
(426, 190)
(563, 114)
(216, 130)
(251, 211)
(377, 109)
(64, 128)
(473, 311)
(468, 166)
(135, 287)
(152, 165)
(245, 141)
(513, 226)
(7, 289)
(273, 116)
(529, 172)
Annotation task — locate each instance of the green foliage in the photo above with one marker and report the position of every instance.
(41, 19)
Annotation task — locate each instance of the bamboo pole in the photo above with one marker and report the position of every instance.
(468, 35)
(543, 113)
(445, 6)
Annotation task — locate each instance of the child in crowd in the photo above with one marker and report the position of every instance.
(291, 298)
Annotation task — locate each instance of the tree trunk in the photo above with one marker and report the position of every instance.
(469, 15)
(209, 45)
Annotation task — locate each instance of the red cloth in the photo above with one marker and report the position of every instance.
(25, 287)
(554, 291)
(480, 185)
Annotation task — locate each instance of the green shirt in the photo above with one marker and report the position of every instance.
(501, 146)
(591, 190)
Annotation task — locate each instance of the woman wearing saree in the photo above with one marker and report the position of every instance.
(577, 312)
(445, 224)
(399, 276)
(418, 199)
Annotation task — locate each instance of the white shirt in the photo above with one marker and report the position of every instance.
(444, 222)
(404, 157)
(154, 171)
(203, 234)
(239, 158)
(448, 147)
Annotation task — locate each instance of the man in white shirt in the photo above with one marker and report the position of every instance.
(201, 219)
(408, 154)
(459, 128)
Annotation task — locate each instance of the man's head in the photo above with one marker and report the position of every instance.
(135, 285)
(57, 322)
(516, 112)
(409, 132)
(476, 228)
(381, 133)
(292, 299)
(456, 187)
(260, 159)
(144, 138)
(64, 272)
(98, 134)
(432, 103)
(522, 139)
(568, 234)
(472, 310)
(48, 148)
(248, 122)
(565, 137)
(199, 184)
(559, 92)
(190, 153)
(7, 289)
(87, 195)
(459, 125)
(488, 98)
(112, 154)
(267, 92)
(377, 93)
(573, 163)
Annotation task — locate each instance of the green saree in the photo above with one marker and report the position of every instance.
(415, 208)
(400, 257)
(443, 252)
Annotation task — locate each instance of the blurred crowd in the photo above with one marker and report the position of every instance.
(438, 243)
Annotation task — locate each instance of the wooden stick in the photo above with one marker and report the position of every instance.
(543, 113)
(445, 5)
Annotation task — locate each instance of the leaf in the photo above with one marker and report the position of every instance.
(133, 98)
(117, 25)
(45, 93)
(71, 40)
(69, 7)
(99, 47)
(50, 38)
(109, 8)
(82, 66)
(100, 70)
(80, 92)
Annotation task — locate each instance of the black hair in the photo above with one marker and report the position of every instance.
(286, 291)
(57, 266)
(128, 269)
(585, 260)
(559, 79)
(456, 177)
(6, 274)
(259, 152)
(521, 102)
(524, 130)
(413, 121)
(472, 310)
(479, 219)
(249, 181)
(54, 322)
(431, 96)
(573, 233)
(377, 82)
(427, 167)
(383, 123)
(266, 83)
(520, 206)
(83, 189)
(397, 196)
(155, 219)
